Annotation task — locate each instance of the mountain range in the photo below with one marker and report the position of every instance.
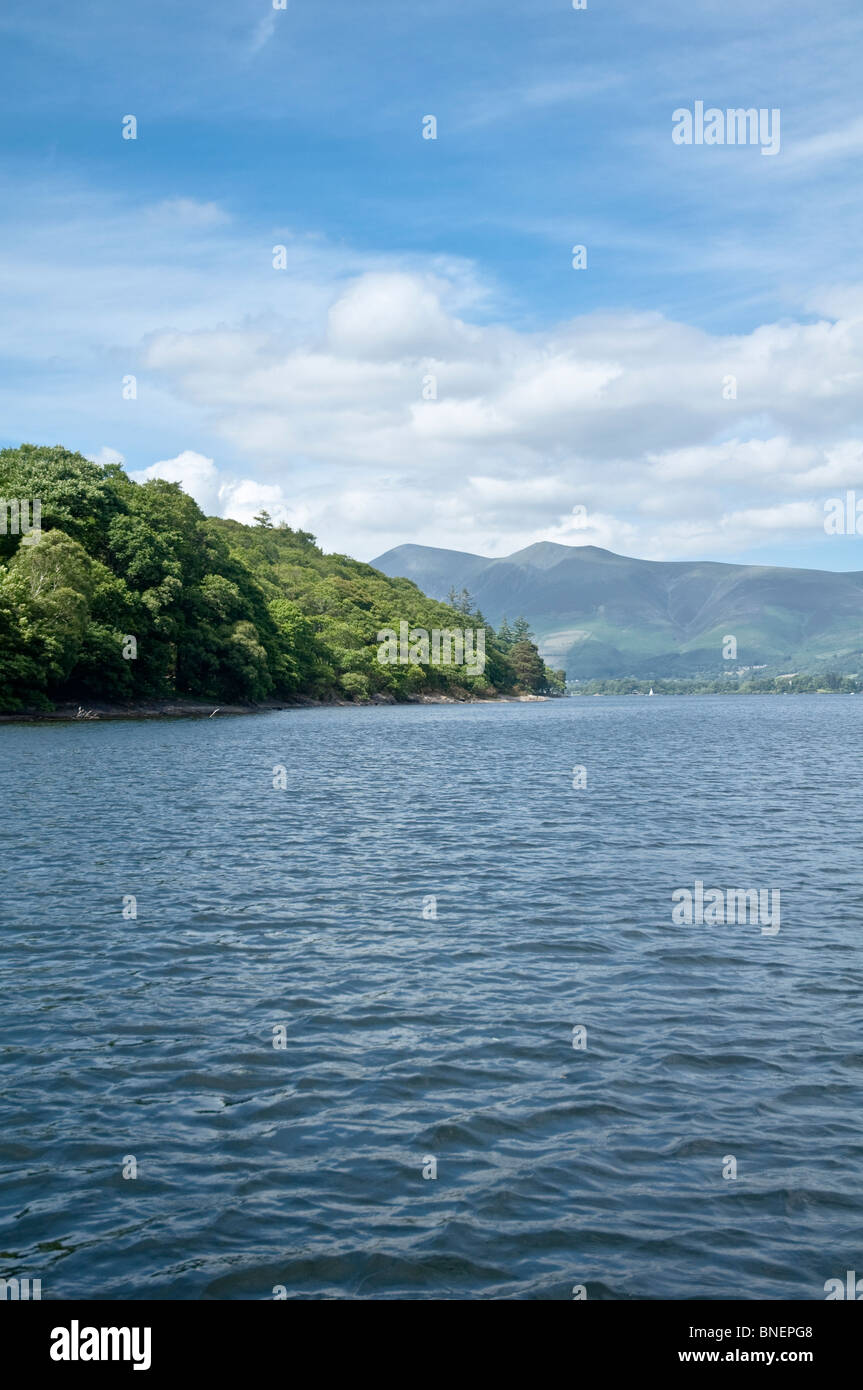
(597, 614)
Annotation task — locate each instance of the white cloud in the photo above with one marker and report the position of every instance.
(737, 460)
(196, 474)
(106, 455)
(243, 499)
(305, 391)
(794, 515)
(594, 528)
(218, 494)
(383, 316)
(624, 414)
(188, 212)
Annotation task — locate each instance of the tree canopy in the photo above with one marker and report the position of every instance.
(216, 609)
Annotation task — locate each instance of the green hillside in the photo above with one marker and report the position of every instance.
(215, 609)
(606, 616)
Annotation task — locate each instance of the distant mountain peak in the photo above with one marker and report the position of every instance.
(597, 613)
(546, 553)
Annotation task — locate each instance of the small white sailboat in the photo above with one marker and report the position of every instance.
(650, 691)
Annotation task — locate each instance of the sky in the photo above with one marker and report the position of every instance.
(422, 362)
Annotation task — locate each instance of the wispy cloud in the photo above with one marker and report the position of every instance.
(263, 32)
(843, 142)
(511, 103)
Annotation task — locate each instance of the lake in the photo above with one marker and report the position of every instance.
(428, 952)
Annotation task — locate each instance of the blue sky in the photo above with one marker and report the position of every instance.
(556, 389)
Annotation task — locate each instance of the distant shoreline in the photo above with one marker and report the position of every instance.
(733, 691)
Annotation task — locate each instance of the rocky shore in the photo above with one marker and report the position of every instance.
(197, 709)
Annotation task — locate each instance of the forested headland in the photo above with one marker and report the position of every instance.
(130, 593)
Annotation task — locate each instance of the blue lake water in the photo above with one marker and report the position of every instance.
(411, 1037)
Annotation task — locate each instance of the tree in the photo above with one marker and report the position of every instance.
(462, 602)
(217, 609)
(57, 590)
(529, 668)
(23, 671)
(77, 496)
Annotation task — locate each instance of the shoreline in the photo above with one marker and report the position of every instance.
(199, 709)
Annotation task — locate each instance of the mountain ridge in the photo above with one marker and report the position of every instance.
(600, 614)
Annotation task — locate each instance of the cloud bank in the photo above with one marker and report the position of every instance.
(402, 420)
